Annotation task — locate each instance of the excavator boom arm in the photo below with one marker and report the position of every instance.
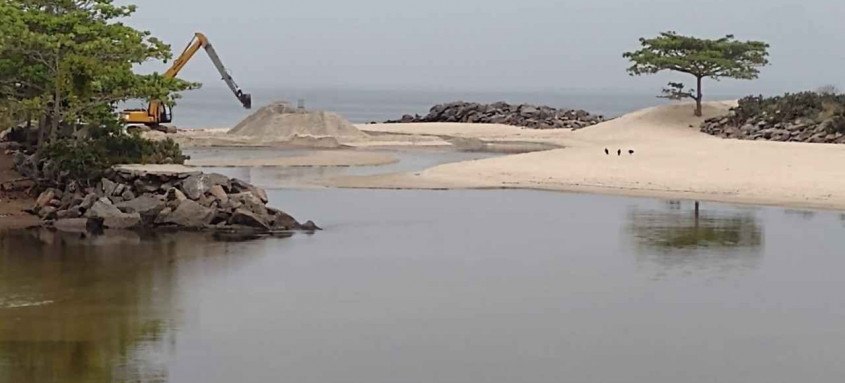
(244, 98)
(200, 41)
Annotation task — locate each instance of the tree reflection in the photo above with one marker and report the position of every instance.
(711, 241)
(88, 309)
(678, 229)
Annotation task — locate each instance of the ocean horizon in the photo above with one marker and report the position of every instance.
(215, 107)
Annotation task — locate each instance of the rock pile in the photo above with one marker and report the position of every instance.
(132, 199)
(802, 117)
(798, 130)
(530, 116)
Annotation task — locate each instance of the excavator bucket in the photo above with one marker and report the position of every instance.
(246, 100)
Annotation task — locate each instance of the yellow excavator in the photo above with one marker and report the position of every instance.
(158, 113)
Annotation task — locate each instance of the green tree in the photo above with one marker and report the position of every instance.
(63, 61)
(702, 58)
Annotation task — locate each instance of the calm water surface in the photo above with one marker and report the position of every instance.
(438, 286)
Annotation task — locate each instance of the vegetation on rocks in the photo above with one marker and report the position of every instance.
(800, 117)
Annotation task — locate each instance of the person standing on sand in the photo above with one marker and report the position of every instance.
(606, 151)
(619, 152)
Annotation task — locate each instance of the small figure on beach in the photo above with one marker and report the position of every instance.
(619, 152)
(631, 151)
(606, 151)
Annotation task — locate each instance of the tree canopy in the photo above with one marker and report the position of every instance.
(63, 62)
(725, 57)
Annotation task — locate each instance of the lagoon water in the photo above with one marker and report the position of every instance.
(434, 286)
(438, 286)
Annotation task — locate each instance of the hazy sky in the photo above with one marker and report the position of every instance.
(489, 44)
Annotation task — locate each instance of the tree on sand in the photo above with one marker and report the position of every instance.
(702, 58)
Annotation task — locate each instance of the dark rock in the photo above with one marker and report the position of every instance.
(47, 212)
(147, 205)
(45, 198)
(112, 216)
(239, 186)
(118, 190)
(282, 221)
(175, 197)
(88, 201)
(128, 195)
(309, 225)
(248, 201)
(107, 186)
(248, 218)
(190, 214)
(219, 194)
(197, 185)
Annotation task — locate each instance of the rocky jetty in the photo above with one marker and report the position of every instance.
(529, 116)
(133, 199)
(802, 117)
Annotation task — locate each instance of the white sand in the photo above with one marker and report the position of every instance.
(671, 160)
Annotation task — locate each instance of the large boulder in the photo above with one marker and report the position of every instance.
(189, 214)
(281, 220)
(147, 205)
(197, 185)
(107, 186)
(112, 217)
(45, 198)
(248, 201)
(219, 194)
(239, 186)
(247, 218)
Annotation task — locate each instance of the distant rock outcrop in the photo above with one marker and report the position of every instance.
(802, 117)
(529, 116)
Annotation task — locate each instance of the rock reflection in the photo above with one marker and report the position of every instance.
(88, 309)
(675, 237)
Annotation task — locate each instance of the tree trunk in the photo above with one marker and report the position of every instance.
(698, 97)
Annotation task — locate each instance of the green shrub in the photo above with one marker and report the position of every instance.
(86, 159)
(814, 106)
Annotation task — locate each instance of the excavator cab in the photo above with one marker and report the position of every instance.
(148, 116)
(165, 114)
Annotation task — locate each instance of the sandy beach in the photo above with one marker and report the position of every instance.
(671, 159)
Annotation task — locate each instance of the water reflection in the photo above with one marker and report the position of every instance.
(89, 309)
(677, 237)
(804, 214)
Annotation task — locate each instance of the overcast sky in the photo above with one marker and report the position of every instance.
(489, 44)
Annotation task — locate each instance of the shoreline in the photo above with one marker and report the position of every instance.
(672, 159)
(658, 194)
(13, 202)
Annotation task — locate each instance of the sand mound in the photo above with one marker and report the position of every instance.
(280, 121)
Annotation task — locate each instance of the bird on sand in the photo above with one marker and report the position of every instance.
(630, 151)
(619, 152)
(606, 151)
